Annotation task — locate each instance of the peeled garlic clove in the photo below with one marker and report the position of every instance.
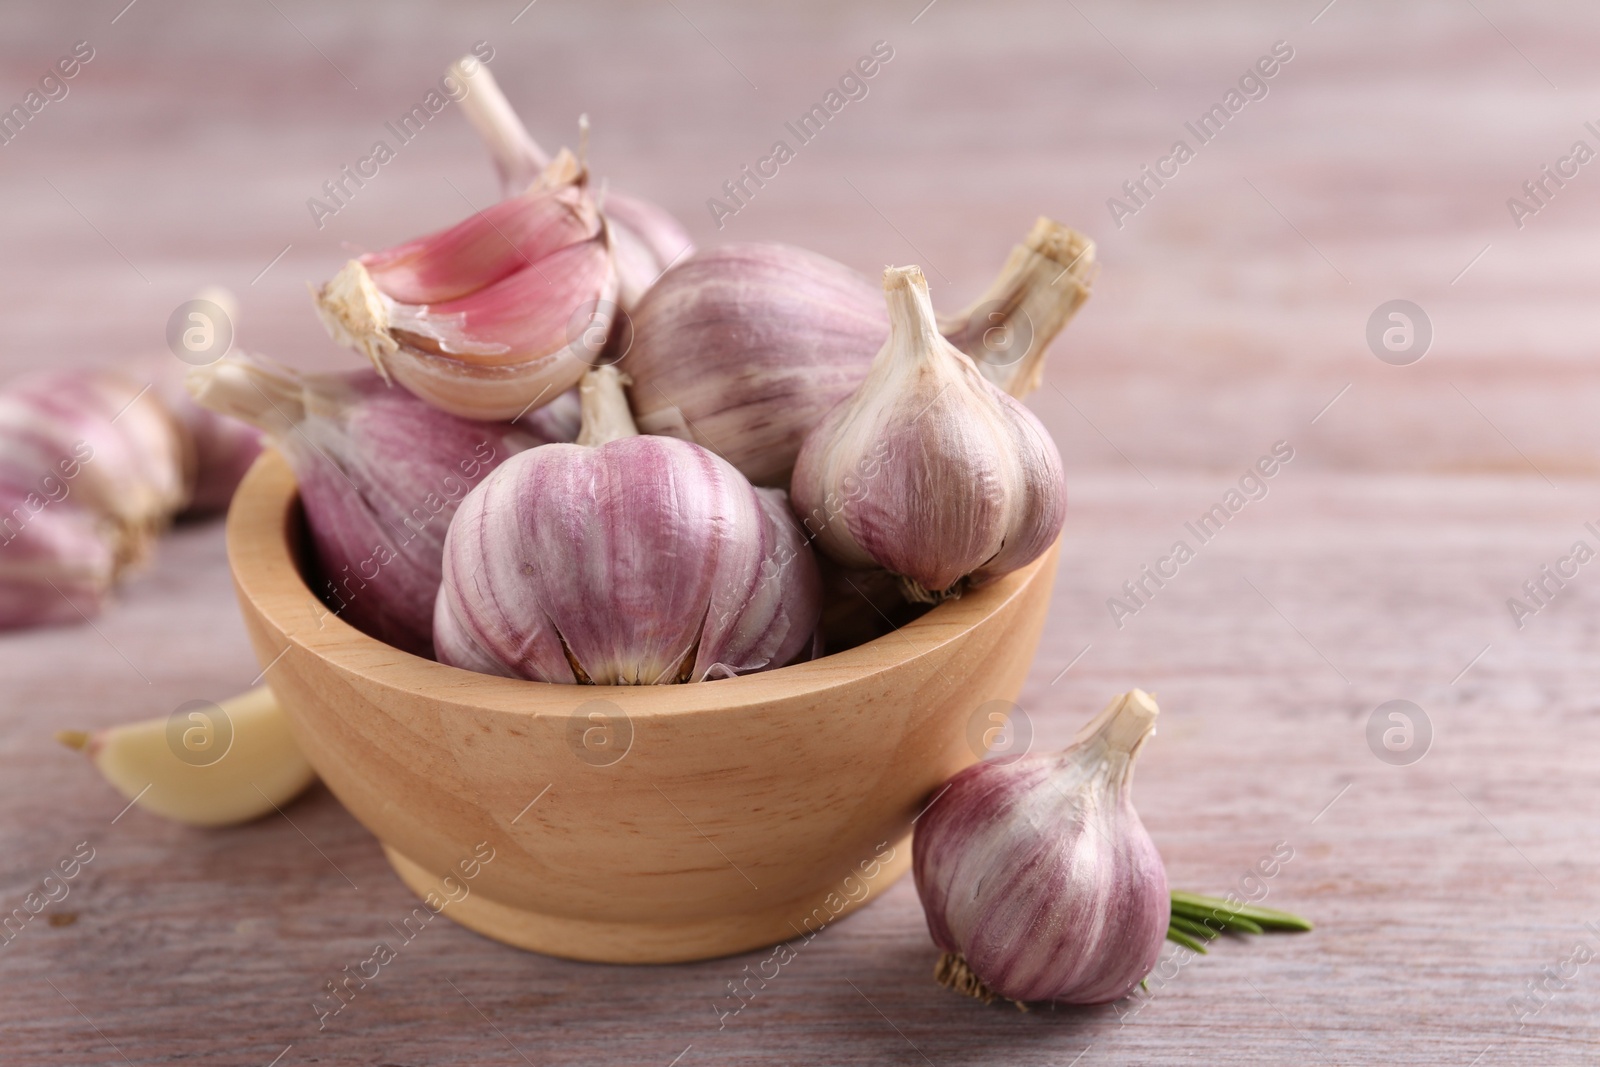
(744, 347)
(260, 769)
(646, 239)
(58, 561)
(928, 470)
(486, 319)
(1037, 878)
(1044, 282)
(623, 560)
(380, 474)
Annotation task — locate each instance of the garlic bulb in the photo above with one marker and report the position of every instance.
(490, 317)
(1038, 880)
(623, 560)
(126, 453)
(646, 240)
(58, 561)
(744, 347)
(380, 474)
(928, 470)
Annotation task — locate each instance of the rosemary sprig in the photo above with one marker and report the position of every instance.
(1196, 919)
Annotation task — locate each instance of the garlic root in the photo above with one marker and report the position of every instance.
(260, 769)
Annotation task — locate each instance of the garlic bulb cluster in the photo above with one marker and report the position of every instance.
(380, 474)
(490, 317)
(646, 240)
(623, 560)
(928, 470)
(742, 348)
(1037, 878)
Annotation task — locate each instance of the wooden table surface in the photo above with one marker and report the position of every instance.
(1231, 314)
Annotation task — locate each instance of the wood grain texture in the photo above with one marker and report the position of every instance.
(1227, 314)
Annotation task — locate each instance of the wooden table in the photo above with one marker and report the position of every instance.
(1231, 314)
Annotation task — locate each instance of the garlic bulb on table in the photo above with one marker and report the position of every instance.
(380, 475)
(742, 348)
(646, 240)
(492, 316)
(928, 470)
(1037, 878)
(623, 560)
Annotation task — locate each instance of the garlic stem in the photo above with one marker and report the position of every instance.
(268, 398)
(1044, 282)
(517, 156)
(1125, 724)
(906, 290)
(605, 407)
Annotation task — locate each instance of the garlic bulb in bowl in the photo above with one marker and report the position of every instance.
(743, 348)
(928, 470)
(623, 560)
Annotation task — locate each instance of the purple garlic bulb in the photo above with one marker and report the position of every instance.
(928, 469)
(1038, 880)
(624, 560)
(380, 473)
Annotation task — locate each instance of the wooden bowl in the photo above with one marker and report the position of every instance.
(630, 824)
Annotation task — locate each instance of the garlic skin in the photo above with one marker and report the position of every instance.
(485, 319)
(126, 453)
(58, 561)
(220, 449)
(646, 240)
(623, 560)
(928, 470)
(744, 347)
(1037, 878)
(380, 475)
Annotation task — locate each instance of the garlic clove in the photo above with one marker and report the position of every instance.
(646, 239)
(1008, 329)
(554, 565)
(380, 474)
(261, 770)
(1037, 878)
(503, 326)
(928, 470)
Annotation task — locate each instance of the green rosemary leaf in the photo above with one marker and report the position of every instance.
(1197, 905)
(1185, 940)
(1194, 928)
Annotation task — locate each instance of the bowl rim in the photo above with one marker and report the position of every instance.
(266, 575)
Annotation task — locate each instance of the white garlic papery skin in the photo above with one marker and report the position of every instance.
(646, 239)
(380, 474)
(742, 348)
(928, 470)
(623, 560)
(1037, 878)
(494, 315)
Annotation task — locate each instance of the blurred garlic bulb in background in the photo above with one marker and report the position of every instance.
(645, 239)
(744, 347)
(492, 316)
(1036, 876)
(928, 470)
(380, 474)
(623, 560)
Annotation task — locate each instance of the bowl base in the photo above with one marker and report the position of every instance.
(667, 942)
